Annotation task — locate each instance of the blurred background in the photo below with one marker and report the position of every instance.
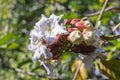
(18, 17)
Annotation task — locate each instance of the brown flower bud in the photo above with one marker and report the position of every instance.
(75, 37)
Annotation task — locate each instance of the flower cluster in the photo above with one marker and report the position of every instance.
(49, 39)
(43, 36)
(83, 34)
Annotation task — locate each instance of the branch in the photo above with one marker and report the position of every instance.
(98, 22)
(105, 10)
(110, 37)
(116, 27)
(18, 70)
(25, 72)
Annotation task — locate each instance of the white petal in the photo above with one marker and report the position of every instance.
(37, 55)
(46, 52)
(50, 39)
(31, 47)
(55, 18)
(58, 29)
(33, 33)
(42, 24)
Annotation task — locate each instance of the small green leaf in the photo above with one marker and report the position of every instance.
(6, 38)
(12, 46)
(110, 68)
(66, 56)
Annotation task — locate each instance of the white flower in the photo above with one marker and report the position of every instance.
(45, 30)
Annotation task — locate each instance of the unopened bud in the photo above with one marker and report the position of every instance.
(89, 37)
(80, 25)
(89, 25)
(71, 29)
(74, 21)
(75, 37)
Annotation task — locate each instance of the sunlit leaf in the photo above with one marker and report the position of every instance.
(82, 74)
(110, 68)
(12, 46)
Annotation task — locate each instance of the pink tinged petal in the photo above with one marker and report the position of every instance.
(57, 39)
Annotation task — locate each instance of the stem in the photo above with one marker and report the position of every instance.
(110, 37)
(105, 10)
(101, 13)
(116, 27)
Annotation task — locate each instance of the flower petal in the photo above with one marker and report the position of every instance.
(50, 39)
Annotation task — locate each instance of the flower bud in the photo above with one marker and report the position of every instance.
(80, 25)
(68, 22)
(71, 29)
(89, 25)
(75, 37)
(74, 21)
(89, 37)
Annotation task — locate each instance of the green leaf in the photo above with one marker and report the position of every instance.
(23, 63)
(13, 46)
(66, 57)
(6, 38)
(110, 68)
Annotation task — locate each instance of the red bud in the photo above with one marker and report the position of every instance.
(80, 25)
(74, 21)
(71, 29)
(68, 22)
